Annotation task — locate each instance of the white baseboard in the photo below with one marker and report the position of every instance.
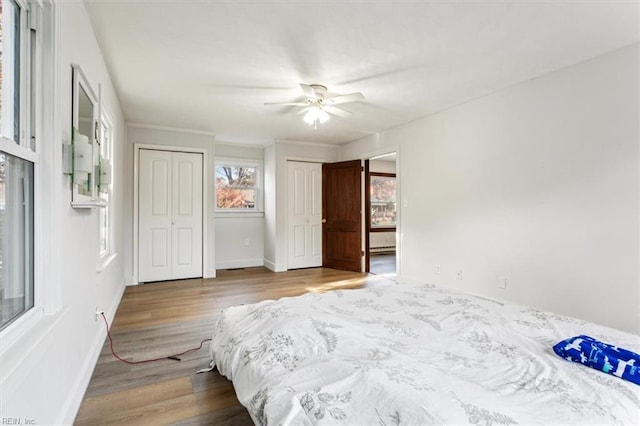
(270, 265)
(239, 263)
(71, 407)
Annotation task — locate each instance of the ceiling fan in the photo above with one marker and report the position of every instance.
(318, 106)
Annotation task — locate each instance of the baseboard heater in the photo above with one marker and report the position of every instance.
(382, 249)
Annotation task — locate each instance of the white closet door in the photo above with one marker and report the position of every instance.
(187, 215)
(169, 215)
(315, 214)
(304, 214)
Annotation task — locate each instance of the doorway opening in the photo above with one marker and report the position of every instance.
(381, 215)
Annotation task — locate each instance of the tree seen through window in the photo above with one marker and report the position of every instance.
(236, 187)
(383, 201)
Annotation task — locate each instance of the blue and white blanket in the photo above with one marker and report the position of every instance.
(601, 356)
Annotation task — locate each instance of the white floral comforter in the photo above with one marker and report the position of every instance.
(414, 355)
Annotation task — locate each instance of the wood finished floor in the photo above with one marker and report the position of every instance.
(159, 319)
(383, 264)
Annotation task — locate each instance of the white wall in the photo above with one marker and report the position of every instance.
(146, 135)
(276, 156)
(234, 230)
(47, 366)
(538, 183)
(239, 242)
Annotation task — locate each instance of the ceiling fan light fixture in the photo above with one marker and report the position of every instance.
(311, 115)
(317, 107)
(316, 114)
(323, 116)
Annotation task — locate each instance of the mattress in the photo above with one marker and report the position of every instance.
(414, 354)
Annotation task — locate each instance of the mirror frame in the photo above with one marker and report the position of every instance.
(78, 199)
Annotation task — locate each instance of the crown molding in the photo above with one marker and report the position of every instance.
(169, 129)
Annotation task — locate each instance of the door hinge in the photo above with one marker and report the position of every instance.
(362, 253)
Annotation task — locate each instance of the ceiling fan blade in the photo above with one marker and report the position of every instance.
(336, 111)
(351, 97)
(287, 103)
(309, 92)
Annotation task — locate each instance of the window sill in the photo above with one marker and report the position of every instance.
(236, 215)
(23, 336)
(105, 260)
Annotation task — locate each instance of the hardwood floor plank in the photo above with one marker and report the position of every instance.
(232, 416)
(159, 319)
(131, 399)
(173, 409)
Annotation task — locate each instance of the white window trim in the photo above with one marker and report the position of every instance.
(21, 149)
(258, 210)
(25, 332)
(12, 148)
(106, 257)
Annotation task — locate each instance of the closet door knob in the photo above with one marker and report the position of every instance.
(324, 220)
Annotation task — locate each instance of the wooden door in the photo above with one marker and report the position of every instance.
(304, 207)
(169, 215)
(342, 215)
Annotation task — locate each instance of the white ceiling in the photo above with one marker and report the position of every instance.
(211, 65)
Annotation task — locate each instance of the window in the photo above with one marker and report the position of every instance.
(16, 248)
(383, 200)
(238, 185)
(10, 50)
(17, 161)
(104, 213)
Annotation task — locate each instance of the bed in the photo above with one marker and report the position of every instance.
(414, 354)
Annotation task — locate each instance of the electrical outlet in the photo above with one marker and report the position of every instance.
(246, 242)
(99, 313)
(459, 274)
(437, 269)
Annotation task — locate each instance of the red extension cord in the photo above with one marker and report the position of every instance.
(173, 357)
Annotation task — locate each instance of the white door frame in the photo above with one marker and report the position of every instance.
(399, 202)
(205, 190)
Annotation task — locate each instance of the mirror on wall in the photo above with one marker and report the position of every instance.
(83, 150)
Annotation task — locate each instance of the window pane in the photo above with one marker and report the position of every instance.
(103, 214)
(235, 198)
(10, 70)
(16, 237)
(235, 187)
(236, 176)
(383, 201)
(105, 140)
